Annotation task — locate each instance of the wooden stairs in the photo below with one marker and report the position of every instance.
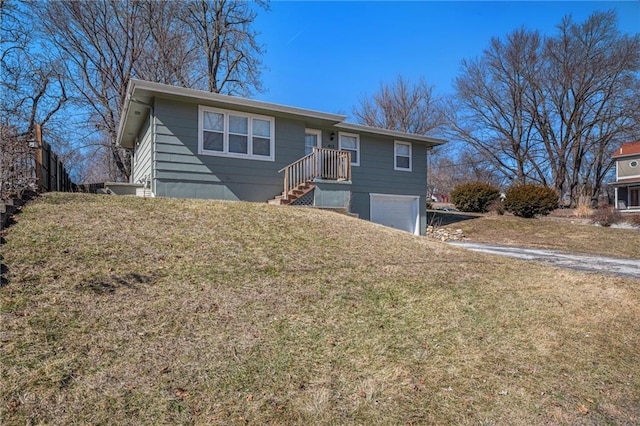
(294, 194)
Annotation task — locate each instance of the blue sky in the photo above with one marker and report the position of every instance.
(326, 55)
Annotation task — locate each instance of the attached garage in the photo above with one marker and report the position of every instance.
(396, 211)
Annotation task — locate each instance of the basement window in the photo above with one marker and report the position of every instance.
(235, 134)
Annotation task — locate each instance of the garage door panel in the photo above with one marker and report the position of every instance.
(399, 212)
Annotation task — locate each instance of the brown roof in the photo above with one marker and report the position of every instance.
(629, 148)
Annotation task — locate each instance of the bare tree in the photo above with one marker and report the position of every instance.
(222, 32)
(450, 169)
(551, 110)
(105, 43)
(99, 42)
(403, 106)
(171, 53)
(32, 85)
(33, 92)
(587, 92)
(490, 110)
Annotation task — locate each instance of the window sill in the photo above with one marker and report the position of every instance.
(236, 156)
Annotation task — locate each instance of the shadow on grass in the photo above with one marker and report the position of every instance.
(440, 218)
(110, 284)
(4, 269)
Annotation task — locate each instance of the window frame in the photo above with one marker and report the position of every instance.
(395, 156)
(357, 137)
(226, 132)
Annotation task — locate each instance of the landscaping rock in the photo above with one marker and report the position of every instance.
(445, 234)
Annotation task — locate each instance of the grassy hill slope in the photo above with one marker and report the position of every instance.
(126, 310)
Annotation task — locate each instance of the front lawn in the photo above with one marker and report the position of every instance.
(156, 311)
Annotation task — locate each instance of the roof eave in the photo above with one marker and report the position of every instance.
(140, 86)
(165, 89)
(392, 133)
(633, 154)
(123, 116)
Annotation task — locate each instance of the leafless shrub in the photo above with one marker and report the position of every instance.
(17, 171)
(583, 211)
(633, 219)
(606, 216)
(497, 207)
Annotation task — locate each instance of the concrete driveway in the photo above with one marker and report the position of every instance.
(582, 262)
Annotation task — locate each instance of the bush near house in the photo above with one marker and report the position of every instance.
(529, 200)
(474, 196)
(606, 215)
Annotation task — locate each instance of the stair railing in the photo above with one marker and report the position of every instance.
(323, 163)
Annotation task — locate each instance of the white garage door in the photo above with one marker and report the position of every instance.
(396, 211)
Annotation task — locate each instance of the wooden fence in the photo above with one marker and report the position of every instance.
(31, 166)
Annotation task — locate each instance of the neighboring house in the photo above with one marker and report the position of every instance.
(627, 184)
(192, 144)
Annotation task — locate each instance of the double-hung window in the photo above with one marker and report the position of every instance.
(235, 134)
(350, 142)
(402, 156)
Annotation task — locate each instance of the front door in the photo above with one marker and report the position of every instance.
(312, 138)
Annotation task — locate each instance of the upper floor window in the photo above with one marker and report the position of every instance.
(235, 134)
(350, 142)
(633, 163)
(402, 156)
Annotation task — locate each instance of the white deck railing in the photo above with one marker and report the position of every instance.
(321, 163)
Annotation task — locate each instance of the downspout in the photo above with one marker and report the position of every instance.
(427, 195)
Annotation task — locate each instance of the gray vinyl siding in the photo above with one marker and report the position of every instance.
(624, 167)
(376, 175)
(142, 155)
(179, 171)
(182, 172)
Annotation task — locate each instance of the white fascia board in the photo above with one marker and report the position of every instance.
(402, 136)
(124, 113)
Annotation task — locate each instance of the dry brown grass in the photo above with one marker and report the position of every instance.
(553, 233)
(583, 211)
(131, 311)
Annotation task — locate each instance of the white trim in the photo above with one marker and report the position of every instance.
(628, 177)
(386, 132)
(395, 156)
(225, 142)
(352, 135)
(416, 198)
(317, 132)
